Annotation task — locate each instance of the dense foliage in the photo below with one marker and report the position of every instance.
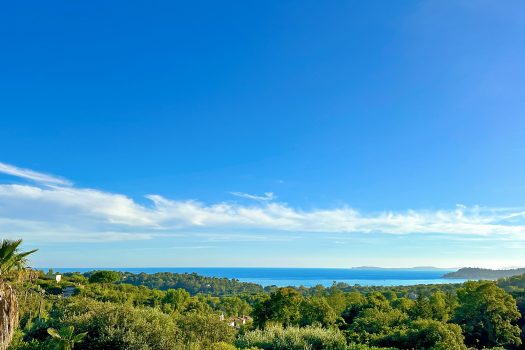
(293, 338)
(488, 274)
(106, 312)
(104, 277)
(191, 282)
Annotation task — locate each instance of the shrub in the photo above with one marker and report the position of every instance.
(293, 338)
(426, 334)
(116, 326)
(205, 329)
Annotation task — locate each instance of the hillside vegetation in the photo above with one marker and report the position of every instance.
(487, 274)
(106, 312)
(165, 311)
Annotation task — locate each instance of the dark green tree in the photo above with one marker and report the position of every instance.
(403, 304)
(442, 305)
(338, 300)
(233, 306)
(104, 277)
(371, 325)
(317, 311)
(487, 315)
(176, 299)
(422, 308)
(282, 307)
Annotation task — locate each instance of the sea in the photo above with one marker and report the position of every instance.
(307, 277)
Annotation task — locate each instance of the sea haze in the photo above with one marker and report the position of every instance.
(307, 277)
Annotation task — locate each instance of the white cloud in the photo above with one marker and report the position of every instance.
(33, 175)
(65, 213)
(268, 196)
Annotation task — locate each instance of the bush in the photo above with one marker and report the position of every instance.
(426, 334)
(222, 346)
(115, 326)
(204, 329)
(293, 338)
(366, 347)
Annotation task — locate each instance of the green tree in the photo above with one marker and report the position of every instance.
(233, 306)
(442, 306)
(371, 325)
(378, 301)
(425, 334)
(104, 277)
(11, 260)
(316, 310)
(337, 300)
(487, 315)
(403, 304)
(65, 338)
(176, 299)
(357, 303)
(422, 308)
(282, 307)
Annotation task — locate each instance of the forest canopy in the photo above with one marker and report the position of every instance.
(114, 310)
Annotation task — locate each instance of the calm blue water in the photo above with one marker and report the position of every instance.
(307, 277)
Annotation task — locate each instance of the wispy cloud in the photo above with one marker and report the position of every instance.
(68, 213)
(268, 196)
(253, 237)
(33, 175)
(186, 247)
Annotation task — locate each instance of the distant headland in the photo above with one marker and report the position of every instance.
(487, 274)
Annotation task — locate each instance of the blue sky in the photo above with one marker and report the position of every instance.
(275, 133)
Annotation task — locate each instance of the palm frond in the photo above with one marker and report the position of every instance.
(10, 258)
(54, 333)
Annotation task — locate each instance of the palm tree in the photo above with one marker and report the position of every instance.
(65, 338)
(11, 259)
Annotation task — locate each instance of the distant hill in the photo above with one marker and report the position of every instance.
(483, 274)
